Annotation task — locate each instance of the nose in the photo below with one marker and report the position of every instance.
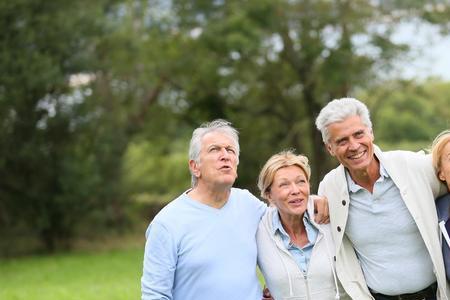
(295, 189)
(353, 144)
(224, 154)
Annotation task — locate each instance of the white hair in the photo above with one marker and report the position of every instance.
(195, 145)
(337, 111)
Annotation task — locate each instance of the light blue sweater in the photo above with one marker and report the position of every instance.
(196, 252)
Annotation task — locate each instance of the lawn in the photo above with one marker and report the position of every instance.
(110, 275)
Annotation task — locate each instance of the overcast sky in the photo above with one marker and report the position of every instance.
(430, 52)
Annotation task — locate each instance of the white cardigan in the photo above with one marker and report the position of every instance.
(283, 276)
(414, 175)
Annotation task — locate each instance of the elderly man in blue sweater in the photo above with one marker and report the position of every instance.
(202, 246)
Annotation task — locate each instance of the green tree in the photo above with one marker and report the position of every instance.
(74, 153)
(270, 66)
(408, 114)
(49, 164)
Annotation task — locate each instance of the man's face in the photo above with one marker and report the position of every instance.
(218, 160)
(351, 142)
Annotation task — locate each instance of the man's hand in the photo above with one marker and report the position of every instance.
(321, 210)
(266, 294)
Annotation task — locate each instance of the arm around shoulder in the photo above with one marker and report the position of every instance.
(424, 162)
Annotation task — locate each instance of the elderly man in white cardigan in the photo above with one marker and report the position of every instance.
(382, 211)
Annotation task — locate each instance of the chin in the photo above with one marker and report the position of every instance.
(358, 166)
(298, 212)
(229, 181)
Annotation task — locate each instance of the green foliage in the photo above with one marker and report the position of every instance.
(280, 61)
(408, 115)
(49, 164)
(79, 156)
(153, 177)
(88, 276)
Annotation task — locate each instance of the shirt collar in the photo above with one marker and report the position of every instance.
(353, 187)
(277, 226)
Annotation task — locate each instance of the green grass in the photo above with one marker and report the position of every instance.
(112, 275)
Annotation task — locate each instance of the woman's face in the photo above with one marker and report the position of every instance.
(444, 173)
(289, 191)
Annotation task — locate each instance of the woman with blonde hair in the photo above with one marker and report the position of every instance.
(440, 151)
(295, 254)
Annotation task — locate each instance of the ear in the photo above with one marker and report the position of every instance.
(194, 167)
(372, 136)
(329, 149)
(441, 176)
(269, 197)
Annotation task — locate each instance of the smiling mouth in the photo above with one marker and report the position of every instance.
(357, 155)
(296, 201)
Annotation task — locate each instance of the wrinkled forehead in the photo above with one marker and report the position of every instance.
(346, 128)
(286, 172)
(218, 138)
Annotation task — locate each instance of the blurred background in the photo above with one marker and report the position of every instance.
(98, 99)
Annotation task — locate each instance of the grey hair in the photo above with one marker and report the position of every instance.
(195, 146)
(337, 111)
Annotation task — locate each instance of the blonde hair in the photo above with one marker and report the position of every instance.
(277, 161)
(437, 147)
